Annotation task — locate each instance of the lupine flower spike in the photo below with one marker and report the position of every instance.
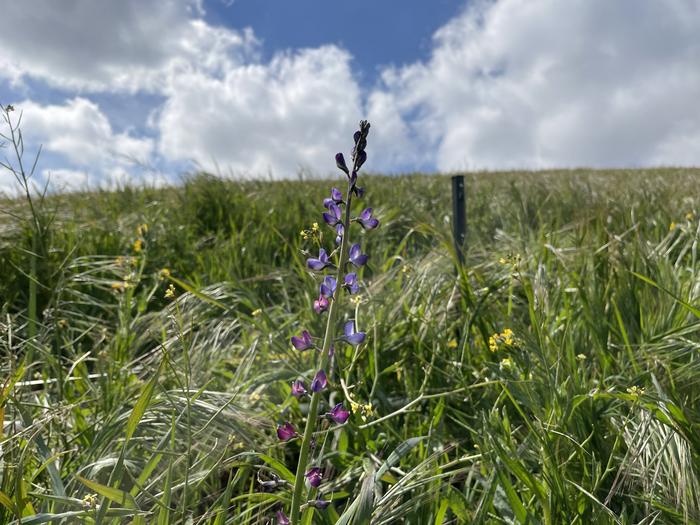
(337, 217)
(356, 256)
(286, 432)
(351, 336)
(314, 476)
(339, 414)
(302, 343)
(320, 381)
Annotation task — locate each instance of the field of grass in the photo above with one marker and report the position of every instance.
(552, 379)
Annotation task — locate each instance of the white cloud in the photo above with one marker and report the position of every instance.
(544, 83)
(295, 112)
(79, 131)
(102, 45)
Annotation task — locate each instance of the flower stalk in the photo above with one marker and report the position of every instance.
(328, 301)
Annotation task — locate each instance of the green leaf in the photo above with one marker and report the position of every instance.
(111, 493)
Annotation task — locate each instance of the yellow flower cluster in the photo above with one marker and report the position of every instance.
(505, 339)
(364, 410)
(311, 232)
(636, 391)
(512, 259)
(170, 292)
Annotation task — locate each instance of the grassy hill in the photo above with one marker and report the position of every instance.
(553, 378)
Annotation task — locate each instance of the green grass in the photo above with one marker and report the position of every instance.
(165, 410)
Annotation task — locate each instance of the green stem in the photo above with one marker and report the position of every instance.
(316, 396)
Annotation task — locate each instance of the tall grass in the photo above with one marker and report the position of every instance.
(134, 407)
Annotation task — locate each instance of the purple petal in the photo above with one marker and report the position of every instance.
(366, 214)
(356, 136)
(282, 518)
(339, 414)
(355, 339)
(320, 381)
(321, 304)
(314, 476)
(298, 389)
(336, 195)
(286, 432)
(340, 162)
(328, 286)
(303, 342)
(361, 158)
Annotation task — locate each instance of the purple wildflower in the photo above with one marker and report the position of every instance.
(320, 381)
(356, 256)
(339, 231)
(282, 518)
(339, 414)
(340, 162)
(314, 476)
(320, 263)
(286, 432)
(335, 198)
(366, 220)
(361, 158)
(302, 343)
(321, 304)
(351, 336)
(298, 389)
(334, 217)
(328, 286)
(350, 283)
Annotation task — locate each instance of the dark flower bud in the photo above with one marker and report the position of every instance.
(361, 158)
(340, 162)
(318, 503)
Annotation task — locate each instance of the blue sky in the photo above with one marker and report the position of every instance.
(146, 90)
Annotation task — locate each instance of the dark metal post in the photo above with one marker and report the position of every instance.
(459, 216)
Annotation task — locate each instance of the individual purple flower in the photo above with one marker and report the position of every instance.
(302, 343)
(339, 414)
(340, 162)
(339, 231)
(314, 476)
(282, 518)
(286, 431)
(354, 187)
(320, 263)
(350, 283)
(321, 304)
(356, 256)
(351, 336)
(333, 216)
(318, 503)
(298, 389)
(335, 198)
(366, 220)
(320, 381)
(328, 286)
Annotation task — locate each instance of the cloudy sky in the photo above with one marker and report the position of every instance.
(150, 89)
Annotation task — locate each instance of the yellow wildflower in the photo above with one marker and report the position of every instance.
(142, 229)
(452, 343)
(506, 362)
(90, 501)
(138, 245)
(672, 226)
(690, 216)
(505, 338)
(581, 357)
(119, 286)
(170, 292)
(356, 300)
(164, 273)
(314, 227)
(256, 312)
(635, 391)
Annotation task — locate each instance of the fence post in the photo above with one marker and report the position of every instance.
(459, 217)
